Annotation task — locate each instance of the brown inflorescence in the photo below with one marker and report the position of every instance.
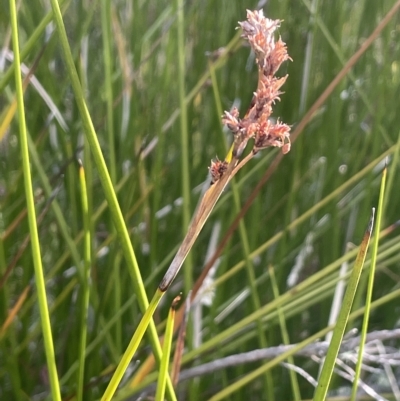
(256, 124)
(217, 169)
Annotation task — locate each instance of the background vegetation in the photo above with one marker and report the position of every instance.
(305, 215)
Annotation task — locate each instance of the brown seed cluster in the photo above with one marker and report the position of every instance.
(217, 169)
(256, 124)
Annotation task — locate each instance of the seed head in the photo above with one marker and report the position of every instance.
(256, 124)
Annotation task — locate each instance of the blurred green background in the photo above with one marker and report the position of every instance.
(317, 200)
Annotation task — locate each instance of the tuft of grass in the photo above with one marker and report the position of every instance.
(136, 91)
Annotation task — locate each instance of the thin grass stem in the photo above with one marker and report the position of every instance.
(36, 254)
(364, 330)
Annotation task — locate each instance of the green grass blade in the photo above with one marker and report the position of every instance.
(85, 287)
(163, 371)
(330, 360)
(184, 137)
(36, 254)
(370, 287)
(132, 347)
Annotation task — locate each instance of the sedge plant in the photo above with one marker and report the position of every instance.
(334, 173)
(257, 126)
